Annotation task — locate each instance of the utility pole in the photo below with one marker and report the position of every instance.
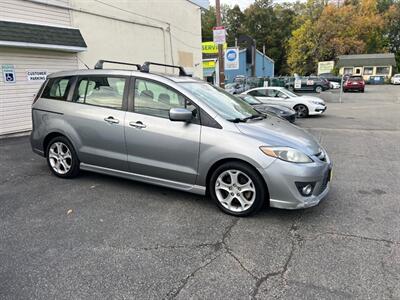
(220, 47)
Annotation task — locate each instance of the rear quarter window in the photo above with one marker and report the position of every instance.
(57, 88)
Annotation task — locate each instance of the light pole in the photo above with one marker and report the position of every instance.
(221, 70)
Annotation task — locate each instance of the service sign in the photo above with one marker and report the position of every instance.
(297, 84)
(210, 47)
(8, 73)
(36, 75)
(219, 35)
(232, 59)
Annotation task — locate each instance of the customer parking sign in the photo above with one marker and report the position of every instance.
(8, 73)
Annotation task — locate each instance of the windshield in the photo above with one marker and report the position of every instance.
(290, 94)
(250, 99)
(226, 105)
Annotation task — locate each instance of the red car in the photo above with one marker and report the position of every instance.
(354, 83)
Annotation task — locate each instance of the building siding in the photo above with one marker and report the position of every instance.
(35, 12)
(16, 98)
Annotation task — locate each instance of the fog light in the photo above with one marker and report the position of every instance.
(305, 188)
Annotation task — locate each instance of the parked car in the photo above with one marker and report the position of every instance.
(334, 85)
(278, 110)
(331, 77)
(177, 132)
(309, 83)
(234, 88)
(303, 105)
(354, 83)
(395, 79)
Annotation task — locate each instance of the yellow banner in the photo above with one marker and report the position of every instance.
(208, 64)
(210, 47)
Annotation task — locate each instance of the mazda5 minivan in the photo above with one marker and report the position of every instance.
(178, 132)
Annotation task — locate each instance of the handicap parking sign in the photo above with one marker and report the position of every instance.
(8, 73)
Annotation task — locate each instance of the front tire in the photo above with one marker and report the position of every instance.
(318, 89)
(237, 189)
(301, 111)
(61, 158)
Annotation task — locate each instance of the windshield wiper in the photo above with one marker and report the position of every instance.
(244, 120)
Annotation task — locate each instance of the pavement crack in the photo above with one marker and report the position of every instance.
(366, 238)
(295, 239)
(175, 292)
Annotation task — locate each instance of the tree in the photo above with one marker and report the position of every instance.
(234, 20)
(393, 30)
(302, 49)
(208, 21)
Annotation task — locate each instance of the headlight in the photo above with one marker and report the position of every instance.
(286, 154)
(317, 102)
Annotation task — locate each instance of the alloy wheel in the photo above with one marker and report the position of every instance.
(235, 190)
(60, 158)
(318, 89)
(301, 111)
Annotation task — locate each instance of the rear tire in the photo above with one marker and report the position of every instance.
(61, 158)
(238, 189)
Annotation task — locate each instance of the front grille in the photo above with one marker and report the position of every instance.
(325, 181)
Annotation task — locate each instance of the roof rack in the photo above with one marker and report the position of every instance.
(146, 67)
(99, 64)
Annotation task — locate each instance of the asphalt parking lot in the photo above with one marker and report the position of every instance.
(98, 237)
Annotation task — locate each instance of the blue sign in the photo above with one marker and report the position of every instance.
(8, 73)
(232, 59)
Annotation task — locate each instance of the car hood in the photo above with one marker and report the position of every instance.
(273, 131)
(311, 98)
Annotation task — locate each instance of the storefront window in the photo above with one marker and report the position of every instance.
(382, 70)
(368, 70)
(348, 71)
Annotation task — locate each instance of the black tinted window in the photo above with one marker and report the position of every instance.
(57, 88)
(100, 91)
(257, 93)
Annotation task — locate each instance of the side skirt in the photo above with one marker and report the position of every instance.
(196, 189)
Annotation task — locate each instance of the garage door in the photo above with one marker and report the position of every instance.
(16, 97)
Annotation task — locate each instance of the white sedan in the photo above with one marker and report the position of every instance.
(303, 105)
(395, 79)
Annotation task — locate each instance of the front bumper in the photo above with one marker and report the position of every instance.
(281, 176)
(317, 110)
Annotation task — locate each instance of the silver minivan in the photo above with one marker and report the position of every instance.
(178, 132)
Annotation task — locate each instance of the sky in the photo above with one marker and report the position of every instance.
(242, 3)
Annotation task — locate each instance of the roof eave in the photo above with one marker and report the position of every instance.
(63, 48)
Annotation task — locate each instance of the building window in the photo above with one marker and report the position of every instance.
(57, 88)
(101, 91)
(348, 71)
(368, 70)
(382, 70)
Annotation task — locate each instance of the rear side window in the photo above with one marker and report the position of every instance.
(100, 91)
(57, 88)
(257, 93)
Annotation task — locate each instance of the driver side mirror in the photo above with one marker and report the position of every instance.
(180, 115)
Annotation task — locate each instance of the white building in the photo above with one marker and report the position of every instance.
(38, 37)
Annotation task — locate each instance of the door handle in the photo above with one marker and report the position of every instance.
(111, 120)
(137, 124)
